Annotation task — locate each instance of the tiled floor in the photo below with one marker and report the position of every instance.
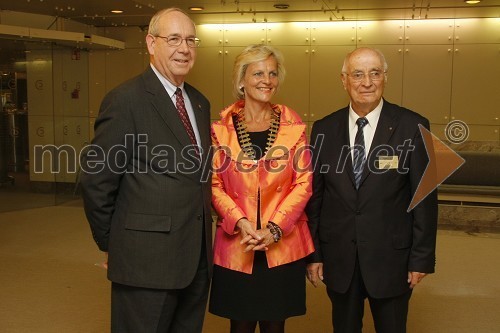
(49, 281)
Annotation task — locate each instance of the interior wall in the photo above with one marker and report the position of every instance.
(439, 68)
(58, 111)
(444, 69)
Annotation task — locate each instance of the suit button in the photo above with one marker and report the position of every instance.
(279, 189)
(358, 212)
(353, 241)
(235, 195)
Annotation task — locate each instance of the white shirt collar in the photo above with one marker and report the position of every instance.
(372, 117)
(169, 87)
(369, 130)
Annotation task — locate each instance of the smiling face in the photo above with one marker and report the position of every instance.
(365, 93)
(260, 80)
(173, 62)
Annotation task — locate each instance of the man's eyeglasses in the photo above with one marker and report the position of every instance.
(176, 40)
(360, 76)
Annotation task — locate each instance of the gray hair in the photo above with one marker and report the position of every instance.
(154, 24)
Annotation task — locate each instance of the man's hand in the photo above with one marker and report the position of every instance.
(103, 264)
(414, 278)
(315, 273)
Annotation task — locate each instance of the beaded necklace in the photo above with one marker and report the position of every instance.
(244, 137)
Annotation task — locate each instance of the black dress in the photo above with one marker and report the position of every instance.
(268, 293)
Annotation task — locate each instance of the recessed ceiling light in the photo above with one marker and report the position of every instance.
(196, 8)
(281, 6)
(117, 11)
(472, 2)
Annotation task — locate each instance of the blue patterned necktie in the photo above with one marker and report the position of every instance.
(359, 151)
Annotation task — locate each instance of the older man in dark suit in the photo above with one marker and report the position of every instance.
(370, 158)
(146, 196)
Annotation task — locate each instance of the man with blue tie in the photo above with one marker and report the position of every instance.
(369, 160)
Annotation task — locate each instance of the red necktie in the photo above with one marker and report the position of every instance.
(183, 115)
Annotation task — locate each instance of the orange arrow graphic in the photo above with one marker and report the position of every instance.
(443, 162)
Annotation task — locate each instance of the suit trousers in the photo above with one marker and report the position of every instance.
(389, 314)
(135, 309)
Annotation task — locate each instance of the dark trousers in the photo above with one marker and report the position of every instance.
(389, 314)
(143, 310)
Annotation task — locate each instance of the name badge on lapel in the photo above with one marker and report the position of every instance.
(388, 162)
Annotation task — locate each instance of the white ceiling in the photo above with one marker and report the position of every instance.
(138, 12)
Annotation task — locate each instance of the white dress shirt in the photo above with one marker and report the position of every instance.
(368, 130)
(170, 88)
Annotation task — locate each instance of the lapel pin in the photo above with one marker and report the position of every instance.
(390, 128)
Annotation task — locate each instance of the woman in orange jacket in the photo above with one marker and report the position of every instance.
(261, 184)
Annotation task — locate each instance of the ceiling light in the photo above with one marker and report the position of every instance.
(281, 6)
(472, 2)
(196, 8)
(117, 11)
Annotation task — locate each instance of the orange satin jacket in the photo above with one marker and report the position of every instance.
(284, 178)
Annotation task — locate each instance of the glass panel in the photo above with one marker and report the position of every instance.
(44, 122)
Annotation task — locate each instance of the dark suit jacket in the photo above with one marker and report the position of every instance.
(148, 205)
(373, 221)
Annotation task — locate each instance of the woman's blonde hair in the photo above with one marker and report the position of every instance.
(251, 54)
